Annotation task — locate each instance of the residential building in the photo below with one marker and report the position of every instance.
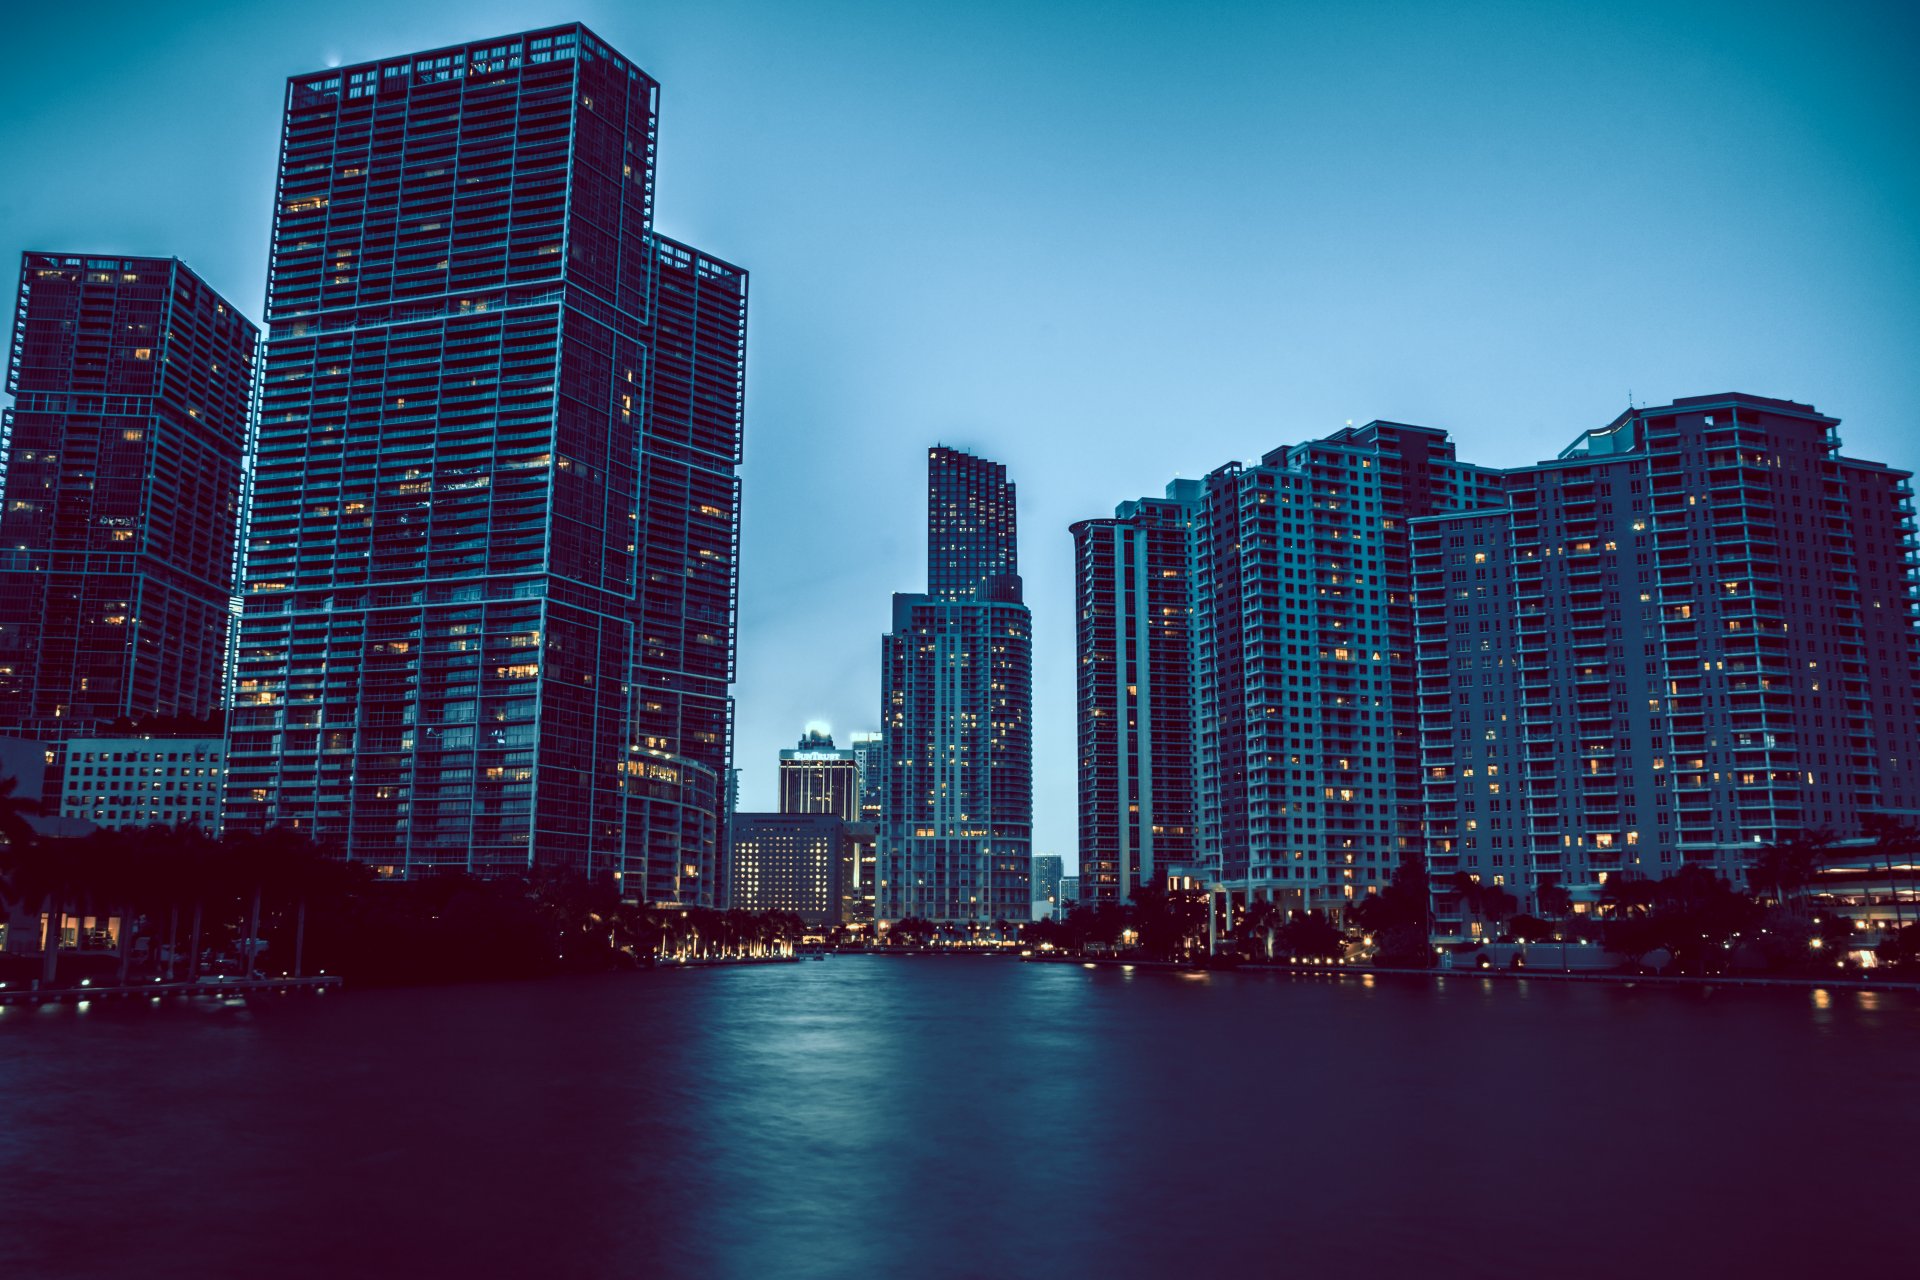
(817, 777)
(956, 700)
(1692, 634)
(490, 578)
(1307, 731)
(122, 491)
(1138, 781)
(1069, 892)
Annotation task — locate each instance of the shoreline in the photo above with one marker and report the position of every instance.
(219, 990)
(1523, 975)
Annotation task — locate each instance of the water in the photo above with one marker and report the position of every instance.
(940, 1117)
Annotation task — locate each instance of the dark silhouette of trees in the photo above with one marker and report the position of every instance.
(1782, 870)
(1397, 917)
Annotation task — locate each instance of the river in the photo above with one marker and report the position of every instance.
(936, 1117)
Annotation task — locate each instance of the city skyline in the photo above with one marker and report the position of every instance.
(1764, 253)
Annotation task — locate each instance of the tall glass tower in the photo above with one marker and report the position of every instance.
(122, 483)
(956, 811)
(490, 577)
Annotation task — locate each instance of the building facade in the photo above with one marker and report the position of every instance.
(956, 830)
(1134, 636)
(145, 781)
(972, 530)
(869, 754)
(490, 579)
(817, 777)
(1692, 634)
(808, 864)
(1047, 869)
(121, 494)
(1307, 734)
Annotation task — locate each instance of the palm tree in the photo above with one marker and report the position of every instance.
(1260, 920)
(1894, 838)
(1783, 869)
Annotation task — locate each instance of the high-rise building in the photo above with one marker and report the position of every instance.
(869, 753)
(1307, 722)
(817, 777)
(971, 529)
(490, 581)
(956, 832)
(1692, 634)
(1046, 885)
(122, 493)
(1069, 892)
(1139, 784)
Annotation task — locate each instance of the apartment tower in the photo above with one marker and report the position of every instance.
(1139, 784)
(1309, 759)
(1700, 621)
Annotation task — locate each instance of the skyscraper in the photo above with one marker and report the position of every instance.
(122, 490)
(817, 777)
(1693, 634)
(1047, 869)
(869, 754)
(971, 530)
(956, 704)
(490, 580)
(1139, 783)
(1308, 746)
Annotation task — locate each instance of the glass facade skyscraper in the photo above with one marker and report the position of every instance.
(490, 578)
(122, 491)
(956, 829)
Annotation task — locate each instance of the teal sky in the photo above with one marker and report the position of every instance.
(1111, 243)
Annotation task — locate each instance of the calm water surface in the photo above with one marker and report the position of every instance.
(958, 1117)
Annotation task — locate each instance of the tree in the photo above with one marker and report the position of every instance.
(1258, 924)
(1783, 869)
(1895, 843)
(1309, 935)
(1553, 901)
(1396, 917)
(16, 832)
(1528, 928)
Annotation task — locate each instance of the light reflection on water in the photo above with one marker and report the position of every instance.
(949, 1117)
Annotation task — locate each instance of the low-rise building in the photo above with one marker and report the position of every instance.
(144, 781)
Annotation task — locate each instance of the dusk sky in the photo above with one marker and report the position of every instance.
(1109, 244)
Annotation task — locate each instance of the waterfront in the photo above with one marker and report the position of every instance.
(937, 1116)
